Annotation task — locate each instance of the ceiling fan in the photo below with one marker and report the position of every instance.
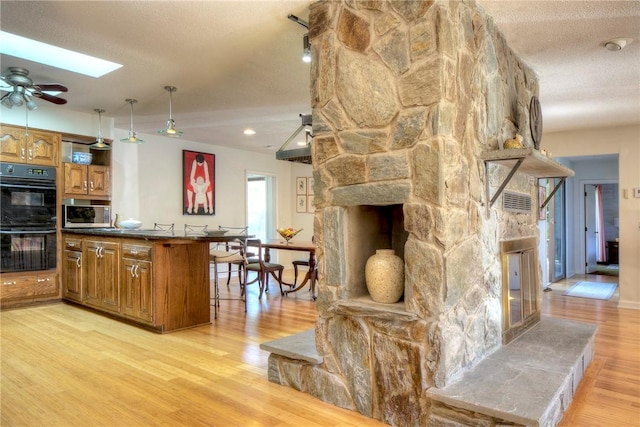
(21, 89)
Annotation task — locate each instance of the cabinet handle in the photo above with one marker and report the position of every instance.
(30, 151)
(90, 185)
(71, 245)
(22, 153)
(84, 185)
(137, 270)
(134, 252)
(9, 283)
(101, 252)
(43, 280)
(78, 264)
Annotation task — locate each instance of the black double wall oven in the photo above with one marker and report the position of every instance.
(27, 218)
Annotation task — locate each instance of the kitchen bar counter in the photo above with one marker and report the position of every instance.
(150, 234)
(156, 279)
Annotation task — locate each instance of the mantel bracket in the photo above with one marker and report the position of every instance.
(505, 182)
(555, 188)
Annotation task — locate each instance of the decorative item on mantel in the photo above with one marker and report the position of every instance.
(384, 276)
(288, 233)
(515, 142)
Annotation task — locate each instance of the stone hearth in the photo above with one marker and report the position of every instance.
(407, 96)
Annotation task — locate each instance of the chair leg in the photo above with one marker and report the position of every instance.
(228, 274)
(280, 281)
(216, 295)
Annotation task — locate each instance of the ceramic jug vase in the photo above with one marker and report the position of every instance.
(384, 276)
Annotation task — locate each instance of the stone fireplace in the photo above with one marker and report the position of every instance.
(407, 96)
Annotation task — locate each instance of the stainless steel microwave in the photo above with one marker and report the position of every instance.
(86, 216)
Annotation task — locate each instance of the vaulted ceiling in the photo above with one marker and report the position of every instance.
(237, 64)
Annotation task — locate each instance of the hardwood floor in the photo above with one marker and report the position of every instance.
(66, 366)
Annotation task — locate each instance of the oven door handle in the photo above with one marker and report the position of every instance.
(27, 232)
(29, 187)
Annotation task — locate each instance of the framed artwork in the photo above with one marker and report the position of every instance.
(301, 186)
(198, 183)
(310, 185)
(310, 206)
(301, 204)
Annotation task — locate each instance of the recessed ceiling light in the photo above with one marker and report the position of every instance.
(249, 132)
(615, 45)
(22, 47)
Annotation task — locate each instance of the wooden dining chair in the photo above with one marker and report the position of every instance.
(300, 263)
(264, 269)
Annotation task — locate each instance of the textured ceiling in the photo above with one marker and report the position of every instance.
(237, 64)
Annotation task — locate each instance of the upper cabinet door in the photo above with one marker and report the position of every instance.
(99, 180)
(36, 148)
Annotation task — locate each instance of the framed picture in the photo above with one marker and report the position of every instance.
(310, 206)
(301, 204)
(301, 186)
(310, 185)
(198, 183)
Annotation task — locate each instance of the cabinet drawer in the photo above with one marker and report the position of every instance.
(32, 286)
(142, 252)
(73, 244)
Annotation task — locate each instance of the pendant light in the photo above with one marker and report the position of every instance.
(99, 144)
(132, 138)
(171, 125)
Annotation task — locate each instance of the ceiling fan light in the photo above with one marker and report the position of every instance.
(31, 105)
(6, 101)
(16, 98)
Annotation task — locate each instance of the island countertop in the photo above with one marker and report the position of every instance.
(150, 234)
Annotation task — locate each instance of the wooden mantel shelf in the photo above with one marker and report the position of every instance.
(528, 161)
(534, 163)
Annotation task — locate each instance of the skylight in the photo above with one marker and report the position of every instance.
(22, 47)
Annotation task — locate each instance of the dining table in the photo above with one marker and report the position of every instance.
(301, 246)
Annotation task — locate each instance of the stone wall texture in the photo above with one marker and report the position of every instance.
(406, 95)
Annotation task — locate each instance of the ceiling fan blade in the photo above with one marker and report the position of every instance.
(50, 98)
(51, 87)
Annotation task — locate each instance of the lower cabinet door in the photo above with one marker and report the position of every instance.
(137, 290)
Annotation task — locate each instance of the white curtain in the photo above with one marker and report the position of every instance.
(601, 254)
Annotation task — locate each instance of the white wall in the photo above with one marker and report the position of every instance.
(625, 142)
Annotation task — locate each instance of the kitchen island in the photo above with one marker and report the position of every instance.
(152, 278)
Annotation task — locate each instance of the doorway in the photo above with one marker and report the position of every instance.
(556, 231)
(261, 204)
(600, 207)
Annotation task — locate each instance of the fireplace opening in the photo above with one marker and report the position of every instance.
(520, 308)
(370, 228)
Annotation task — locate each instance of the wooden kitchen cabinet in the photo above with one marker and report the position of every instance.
(36, 148)
(160, 282)
(86, 180)
(21, 288)
(137, 282)
(72, 270)
(102, 274)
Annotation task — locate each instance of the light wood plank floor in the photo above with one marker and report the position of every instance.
(66, 366)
